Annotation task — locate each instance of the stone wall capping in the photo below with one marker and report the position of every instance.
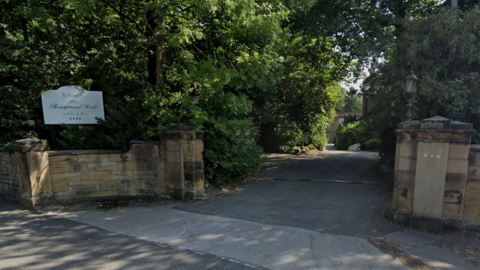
(30, 145)
(83, 152)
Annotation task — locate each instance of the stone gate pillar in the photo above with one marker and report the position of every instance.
(431, 166)
(33, 171)
(184, 161)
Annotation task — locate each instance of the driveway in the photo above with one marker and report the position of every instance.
(348, 208)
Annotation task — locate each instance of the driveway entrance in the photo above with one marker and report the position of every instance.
(296, 196)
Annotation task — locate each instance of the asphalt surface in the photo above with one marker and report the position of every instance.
(352, 209)
(38, 241)
(334, 208)
(325, 165)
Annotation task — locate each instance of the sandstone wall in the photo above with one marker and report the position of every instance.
(8, 174)
(103, 173)
(471, 211)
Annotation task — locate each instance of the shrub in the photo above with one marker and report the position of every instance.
(373, 144)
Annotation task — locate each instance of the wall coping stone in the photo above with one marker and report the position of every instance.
(30, 145)
(98, 151)
(83, 152)
(452, 131)
(437, 123)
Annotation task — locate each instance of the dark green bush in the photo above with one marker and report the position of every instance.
(373, 144)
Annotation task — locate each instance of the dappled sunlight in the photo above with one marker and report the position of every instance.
(34, 241)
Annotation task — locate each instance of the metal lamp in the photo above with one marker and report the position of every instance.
(411, 84)
(195, 96)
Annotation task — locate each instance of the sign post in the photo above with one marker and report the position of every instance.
(71, 105)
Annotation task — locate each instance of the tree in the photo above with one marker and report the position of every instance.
(147, 57)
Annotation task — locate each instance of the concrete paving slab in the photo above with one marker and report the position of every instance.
(270, 246)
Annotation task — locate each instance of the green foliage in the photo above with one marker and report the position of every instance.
(442, 48)
(350, 101)
(147, 57)
(373, 144)
(352, 131)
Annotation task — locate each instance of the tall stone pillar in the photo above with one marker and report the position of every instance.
(430, 173)
(35, 185)
(184, 161)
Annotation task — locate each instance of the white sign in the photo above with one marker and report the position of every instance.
(72, 105)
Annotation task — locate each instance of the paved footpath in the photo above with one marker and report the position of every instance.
(39, 241)
(270, 246)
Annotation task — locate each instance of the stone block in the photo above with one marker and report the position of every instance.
(62, 160)
(457, 166)
(94, 158)
(62, 168)
(397, 156)
(458, 151)
(193, 165)
(193, 176)
(83, 183)
(152, 184)
(455, 181)
(129, 166)
(401, 218)
(103, 166)
(123, 173)
(150, 166)
(65, 177)
(452, 210)
(433, 137)
(405, 199)
(173, 146)
(405, 136)
(433, 225)
(146, 173)
(452, 226)
(473, 185)
(192, 150)
(453, 197)
(460, 137)
(472, 198)
(473, 172)
(407, 164)
(474, 159)
(162, 164)
(408, 149)
(191, 195)
(78, 167)
(30, 145)
(99, 175)
(188, 135)
(472, 214)
(143, 149)
(60, 187)
(118, 157)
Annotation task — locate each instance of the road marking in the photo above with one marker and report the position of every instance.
(321, 180)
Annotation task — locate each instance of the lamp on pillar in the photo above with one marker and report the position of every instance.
(195, 96)
(411, 84)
